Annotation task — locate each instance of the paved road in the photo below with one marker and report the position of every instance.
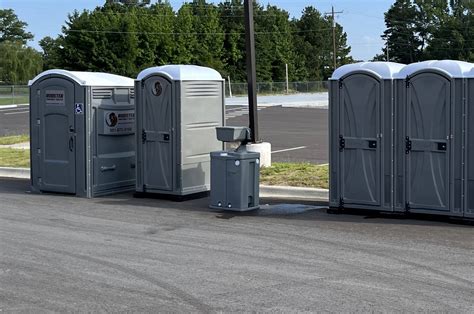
(120, 254)
(296, 134)
(14, 121)
(303, 129)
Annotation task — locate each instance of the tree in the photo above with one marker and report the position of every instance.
(402, 33)
(185, 38)
(314, 44)
(11, 28)
(51, 52)
(18, 63)
(210, 35)
(232, 20)
(453, 38)
(123, 37)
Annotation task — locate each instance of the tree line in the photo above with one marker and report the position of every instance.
(124, 37)
(418, 30)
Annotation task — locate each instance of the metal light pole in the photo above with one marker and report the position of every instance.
(251, 72)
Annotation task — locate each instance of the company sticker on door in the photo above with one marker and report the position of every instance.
(119, 122)
(55, 97)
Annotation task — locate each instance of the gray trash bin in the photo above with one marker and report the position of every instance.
(235, 173)
(178, 109)
(82, 133)
(361, 135)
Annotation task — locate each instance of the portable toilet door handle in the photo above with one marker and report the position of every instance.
(71, 143)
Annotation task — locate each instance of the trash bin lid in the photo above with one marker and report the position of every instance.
(88, 78)
(182, 72)
(384, 70)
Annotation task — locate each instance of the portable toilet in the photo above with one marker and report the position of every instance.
(469, 146)
(429, 134)
(361, 135)
(178, 110)
(82, 133)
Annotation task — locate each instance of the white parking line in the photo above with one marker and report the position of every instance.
(16, 112)
(288, 149)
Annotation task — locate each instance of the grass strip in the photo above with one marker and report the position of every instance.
(14, 139)
(296, 174)
(14, 100)
(10, 157)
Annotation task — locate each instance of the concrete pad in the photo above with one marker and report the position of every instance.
(21, 173)
(265, 150)
(24, 145)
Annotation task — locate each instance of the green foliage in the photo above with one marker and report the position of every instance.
(296, 174)
(12, 29)
(14, 139)
(18, 63)
(429, 29)
(126, 36)
(17, 158)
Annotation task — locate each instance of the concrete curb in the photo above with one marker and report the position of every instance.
(289, 192)
(280, 192)
(12, 106)
(21, 173)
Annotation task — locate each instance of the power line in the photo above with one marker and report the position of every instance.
(190, 33)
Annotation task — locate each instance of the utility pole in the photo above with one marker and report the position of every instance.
(333, 13)
(388, 56)
(251, 71)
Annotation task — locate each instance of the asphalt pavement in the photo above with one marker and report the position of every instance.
(121, 254)
(297, 134)
(14, 121)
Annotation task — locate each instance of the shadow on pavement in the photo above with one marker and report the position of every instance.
(274, 208)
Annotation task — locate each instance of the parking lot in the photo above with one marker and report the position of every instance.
(119, 253)
(295, 125)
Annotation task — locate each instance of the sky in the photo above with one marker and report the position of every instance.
(362, 20)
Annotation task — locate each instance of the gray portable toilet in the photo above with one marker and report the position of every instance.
(178, 109)
(469, 145)
(82, 133)
(430, 137)
(361, 135)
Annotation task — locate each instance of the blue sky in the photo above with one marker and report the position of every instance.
(362, 19)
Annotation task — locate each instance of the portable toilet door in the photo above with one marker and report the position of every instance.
(56, 133)
(360, 161)
(157, 133)
(430, 137)
(429, 107)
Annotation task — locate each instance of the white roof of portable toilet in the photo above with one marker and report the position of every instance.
(453, 68)
(89, 78)
(384, 70)
(471, 73)
(181, 72)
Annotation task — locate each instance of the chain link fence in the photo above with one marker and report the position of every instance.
(19, 94)
(277, 88)
(14, 94)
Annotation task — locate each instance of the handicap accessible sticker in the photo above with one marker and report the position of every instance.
(79, 108)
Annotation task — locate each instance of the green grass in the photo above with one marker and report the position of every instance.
(15, 100)
(10, 157)
(296, 174)
(14, 139)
